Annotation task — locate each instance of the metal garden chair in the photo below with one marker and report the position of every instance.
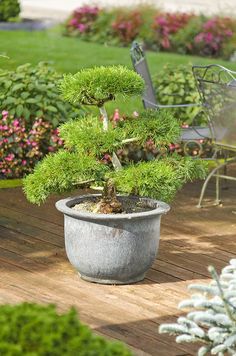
(217, 88)
(190, 134)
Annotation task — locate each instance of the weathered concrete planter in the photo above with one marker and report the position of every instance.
(112, 248)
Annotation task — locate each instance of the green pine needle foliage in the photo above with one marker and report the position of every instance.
(87, 136)
(159, 126)
(158, 179)
(95, 86)
(87, 144)
(61, 172)
(35, 330)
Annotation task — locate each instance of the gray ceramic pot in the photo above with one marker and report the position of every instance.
(112, 248)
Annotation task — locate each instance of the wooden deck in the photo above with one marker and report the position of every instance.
(34, 267)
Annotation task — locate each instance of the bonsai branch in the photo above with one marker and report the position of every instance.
(84, 182)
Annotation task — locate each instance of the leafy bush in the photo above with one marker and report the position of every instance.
(158, 30)
(88, 144)
(167, 24)
(176, 85)
(22, 146)
(31, 329)
(126, 26)
(82, 21)
(183, 39)
(9, 9)
(212, 318)
(215, 33)
(32, 92)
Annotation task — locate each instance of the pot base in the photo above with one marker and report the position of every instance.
(110, 281)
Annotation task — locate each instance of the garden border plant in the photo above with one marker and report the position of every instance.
(33, 329)
(92, 222)
(176, 32)
(32, 110)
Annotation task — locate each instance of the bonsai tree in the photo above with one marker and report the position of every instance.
(89, 141)
(32, 329)
(212, 319)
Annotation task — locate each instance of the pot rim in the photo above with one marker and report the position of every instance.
(64, 206)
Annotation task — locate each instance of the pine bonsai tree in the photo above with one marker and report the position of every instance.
(88, 140)
(212, 319)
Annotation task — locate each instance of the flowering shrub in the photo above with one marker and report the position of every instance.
(22, 147)
(215, 32)
(177, 32)
(127, 26)
(82, 20)
(167, 24)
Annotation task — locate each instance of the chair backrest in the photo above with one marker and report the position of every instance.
(217, 88)
(141, 67)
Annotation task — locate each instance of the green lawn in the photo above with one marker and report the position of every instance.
(71, 54)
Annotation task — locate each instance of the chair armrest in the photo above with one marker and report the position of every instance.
(195, 133)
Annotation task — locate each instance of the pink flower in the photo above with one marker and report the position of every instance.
(23, 162)
(81, 27)
(73, 22)
(116, 116)
(16, 123)
(5, 114)
(10, 157)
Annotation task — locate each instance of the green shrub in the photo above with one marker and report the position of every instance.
(157, 30)
(91, 144)
(176, 85)
(31, 92)
(35, 330)
(9, 9)
(183, 39)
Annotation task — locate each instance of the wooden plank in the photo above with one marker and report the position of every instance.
(34, 267)
(136, 332)
(8, 216)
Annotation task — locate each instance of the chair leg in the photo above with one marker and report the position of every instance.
(217, 201)
(214, 172)
(204, 188)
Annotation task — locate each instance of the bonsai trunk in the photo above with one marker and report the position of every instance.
(105, 117)
(109, 204)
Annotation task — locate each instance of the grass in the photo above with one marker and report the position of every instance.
(71, 54)
(10, 183)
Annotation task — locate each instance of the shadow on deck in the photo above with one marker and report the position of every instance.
(34, 267)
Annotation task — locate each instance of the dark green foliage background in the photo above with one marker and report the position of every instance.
(35, 330)
(175, 85)
(32, 91)
(9, 9)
